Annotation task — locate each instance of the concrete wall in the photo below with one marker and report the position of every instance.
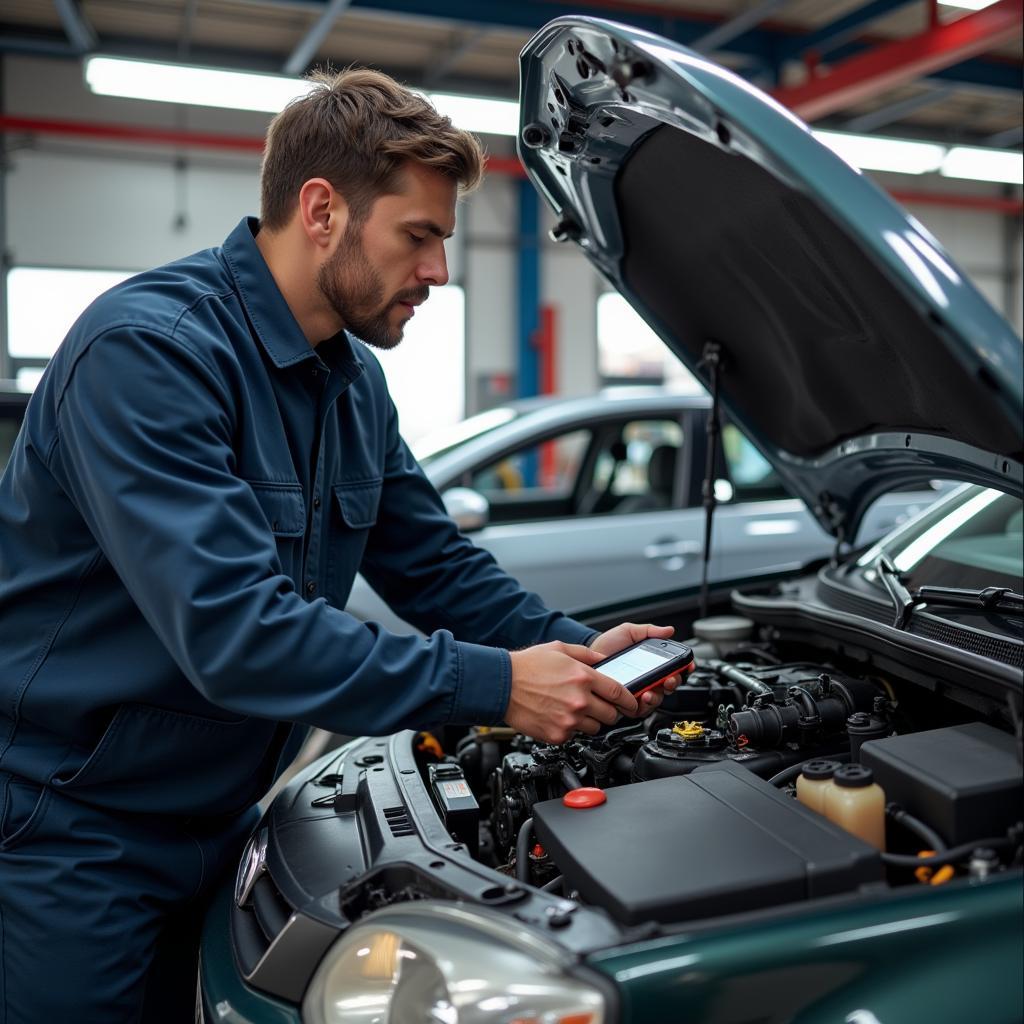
(97, 205)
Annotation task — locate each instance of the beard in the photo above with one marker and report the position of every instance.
(355, 291)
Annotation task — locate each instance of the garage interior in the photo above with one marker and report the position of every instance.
(245, 630)
(96, 187)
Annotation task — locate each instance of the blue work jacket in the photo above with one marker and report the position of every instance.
(194, 490)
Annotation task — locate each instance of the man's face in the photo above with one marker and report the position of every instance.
(384, 266)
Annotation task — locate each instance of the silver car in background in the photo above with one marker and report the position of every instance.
(598, 499)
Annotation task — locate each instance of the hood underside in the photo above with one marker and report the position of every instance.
(851, 348)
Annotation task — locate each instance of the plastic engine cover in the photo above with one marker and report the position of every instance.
(717, 841)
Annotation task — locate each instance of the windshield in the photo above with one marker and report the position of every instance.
(440, 442)
(975, 540)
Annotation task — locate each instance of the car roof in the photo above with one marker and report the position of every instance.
(537, 416)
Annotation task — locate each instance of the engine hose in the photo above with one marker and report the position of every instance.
(898, 860)
(555, 883)
(744, 681)
(790, 773)
(569, 778)
(927, 835)
(523, 851)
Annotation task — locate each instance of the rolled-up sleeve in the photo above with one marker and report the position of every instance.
(144, 448)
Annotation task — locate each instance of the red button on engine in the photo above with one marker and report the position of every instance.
(586, 796)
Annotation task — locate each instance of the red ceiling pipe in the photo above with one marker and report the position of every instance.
(905, 60)
(131, 133)
(502, 165)
(509, 165)
(984, 204)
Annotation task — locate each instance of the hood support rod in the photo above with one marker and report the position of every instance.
(711, 360)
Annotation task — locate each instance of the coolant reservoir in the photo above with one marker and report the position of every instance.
(723, 632)
(855, 802)
(814, 779)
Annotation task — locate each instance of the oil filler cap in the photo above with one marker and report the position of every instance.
(585, 796)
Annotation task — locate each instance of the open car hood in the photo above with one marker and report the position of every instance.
(853, 350)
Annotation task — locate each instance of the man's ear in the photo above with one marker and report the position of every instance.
(322, 212)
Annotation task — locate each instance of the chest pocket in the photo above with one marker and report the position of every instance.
(285, 511)
(353, 513)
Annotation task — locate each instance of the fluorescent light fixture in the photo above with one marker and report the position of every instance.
(245, 90)
(967, 5)
(875, 153)
(477, 114)
(181, 83)
(980, 164)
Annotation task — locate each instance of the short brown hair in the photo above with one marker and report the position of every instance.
(356, 128)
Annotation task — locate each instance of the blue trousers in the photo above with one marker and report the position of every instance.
(100, 912)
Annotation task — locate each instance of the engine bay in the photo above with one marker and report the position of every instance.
(725, 803)
(694, 811)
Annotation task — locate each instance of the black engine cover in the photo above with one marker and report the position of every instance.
(717, 841)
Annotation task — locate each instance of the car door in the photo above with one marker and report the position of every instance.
(623, 533)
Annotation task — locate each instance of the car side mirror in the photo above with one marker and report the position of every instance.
(469, 508)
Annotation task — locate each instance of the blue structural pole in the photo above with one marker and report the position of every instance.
(527, 376)
(529, 289)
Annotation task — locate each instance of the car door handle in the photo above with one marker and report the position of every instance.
(671, 548)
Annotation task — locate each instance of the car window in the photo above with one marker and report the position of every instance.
(547, 469)
(751, 474)
(976, 542)
(635, 469)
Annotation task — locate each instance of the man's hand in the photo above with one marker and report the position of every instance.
(627, 633)
(555, 692)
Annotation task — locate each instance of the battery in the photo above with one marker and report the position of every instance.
(459, 810)
(964, 780)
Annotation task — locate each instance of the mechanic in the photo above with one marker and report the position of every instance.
(209, 459)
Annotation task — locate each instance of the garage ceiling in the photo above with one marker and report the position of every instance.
(464, 45)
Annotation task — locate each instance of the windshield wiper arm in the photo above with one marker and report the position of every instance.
(990, 598)
(901, 597)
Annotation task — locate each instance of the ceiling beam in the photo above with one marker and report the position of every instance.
(1009, 137)
(80, 33)
(308, 45)
(891, 64)
(842, 30)
(452, 57)
(892, 112)
(735, 27)
(762, 47)
(188, 22)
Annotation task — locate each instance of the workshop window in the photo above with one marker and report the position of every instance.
(426, 373)
(42, 305)
(628, 351)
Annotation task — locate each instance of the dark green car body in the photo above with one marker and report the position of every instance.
(949, 954)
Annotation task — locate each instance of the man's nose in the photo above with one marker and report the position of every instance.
(434, 270)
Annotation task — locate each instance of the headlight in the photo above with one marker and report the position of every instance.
(437, 963)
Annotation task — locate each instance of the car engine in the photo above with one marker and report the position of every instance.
(703, 810)
(695, 811)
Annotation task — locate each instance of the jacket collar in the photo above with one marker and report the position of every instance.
(272, 319)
